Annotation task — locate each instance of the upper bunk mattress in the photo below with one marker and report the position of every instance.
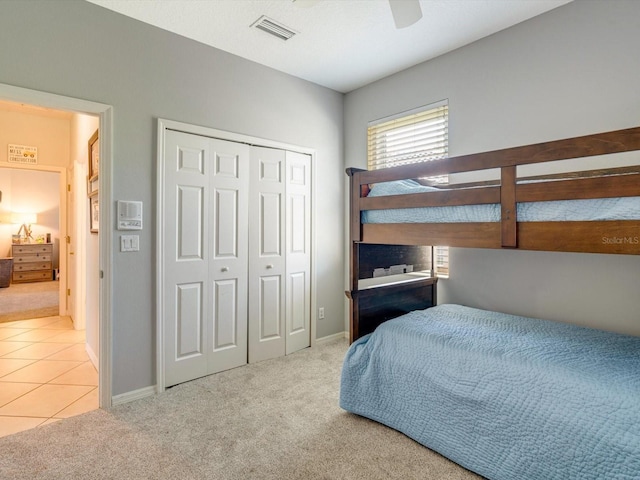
(505, 396)
(597, 209)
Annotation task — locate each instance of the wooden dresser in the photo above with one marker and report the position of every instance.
(32, 262)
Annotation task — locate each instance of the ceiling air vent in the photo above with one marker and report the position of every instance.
(276, 29)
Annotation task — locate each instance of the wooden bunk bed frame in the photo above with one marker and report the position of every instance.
(612, 237)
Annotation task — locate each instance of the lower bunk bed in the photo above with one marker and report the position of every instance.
(507, 397)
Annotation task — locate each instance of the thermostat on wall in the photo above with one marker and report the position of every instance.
(129, 215)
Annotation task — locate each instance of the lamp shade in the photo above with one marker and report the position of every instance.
(24, 218)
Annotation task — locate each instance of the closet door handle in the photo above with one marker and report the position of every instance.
(224, 269)
(269, 266)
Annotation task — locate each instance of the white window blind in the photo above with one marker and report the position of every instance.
(417, 136)
(441, 255)
(420, 135)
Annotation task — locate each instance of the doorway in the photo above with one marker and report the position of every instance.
(47, 348)
(30, 211)
(103, 254)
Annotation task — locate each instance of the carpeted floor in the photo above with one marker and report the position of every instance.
(277, 419)
(21, 301)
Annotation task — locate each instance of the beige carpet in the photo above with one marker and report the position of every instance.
(21, 301)
(277, 419)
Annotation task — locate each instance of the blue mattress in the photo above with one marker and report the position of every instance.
(623, 208)
(507, 397)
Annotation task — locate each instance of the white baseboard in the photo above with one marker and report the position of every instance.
(92, 356)
(329, 338)
(133, 395)
(152, 390)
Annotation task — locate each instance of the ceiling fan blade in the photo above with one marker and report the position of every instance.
(405, 12)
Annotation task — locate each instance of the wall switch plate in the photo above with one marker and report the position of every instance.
(129, 243)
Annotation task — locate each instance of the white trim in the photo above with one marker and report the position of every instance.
(330, 338)
(160, 208)
(50, 100)
(133, 395)
(163, 125)
(314, 289)
(105, 113)
(105, 236)
(80, 225)
(92, 356)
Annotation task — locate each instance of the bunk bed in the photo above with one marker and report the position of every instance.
(507, 397)
(608, 191)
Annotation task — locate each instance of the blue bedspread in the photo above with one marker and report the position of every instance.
(507, 397)
(594, 209)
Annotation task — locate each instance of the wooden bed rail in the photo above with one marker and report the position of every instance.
(587, 146)
(508, 192)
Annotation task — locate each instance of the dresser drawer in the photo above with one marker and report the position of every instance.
(32, 249)
(44, 257)
(42, 276)
(25, 267)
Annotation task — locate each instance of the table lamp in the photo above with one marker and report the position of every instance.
(25, 220)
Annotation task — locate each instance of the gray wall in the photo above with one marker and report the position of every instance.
(77, 49)
(572, 71)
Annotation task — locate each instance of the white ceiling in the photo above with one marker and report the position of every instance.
(341, 44)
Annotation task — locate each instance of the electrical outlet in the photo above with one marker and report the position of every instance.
(320, 313)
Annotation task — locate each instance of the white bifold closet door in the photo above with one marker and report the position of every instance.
(205, 256)
(236, 255)
(298, 252)
(279, 253)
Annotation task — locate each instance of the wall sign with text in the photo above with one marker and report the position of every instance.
(22, 154)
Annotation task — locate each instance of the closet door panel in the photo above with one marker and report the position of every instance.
(229, 255)
(225, 298)
(270, 227)
(266, 252)
(227, 226)
(185, 298)
(190, 222)
(189, 320)
(298, 251)
(297, 302)
(269, 312)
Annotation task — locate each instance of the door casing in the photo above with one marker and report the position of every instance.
(105, 115)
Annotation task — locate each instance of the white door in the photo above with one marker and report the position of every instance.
(266, 254)
(186, 236)
(279, 253)
(298, 252)
(228, 244)
(205, 256)
(72, 284)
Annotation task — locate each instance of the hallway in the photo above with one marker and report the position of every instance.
(45, 373)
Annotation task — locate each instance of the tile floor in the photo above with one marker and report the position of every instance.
(45, 373)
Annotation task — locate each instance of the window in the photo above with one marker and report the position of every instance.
(420, 135)
(411, 137)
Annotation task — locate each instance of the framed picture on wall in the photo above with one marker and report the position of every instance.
(94, 156)
(94, 212)
(92, 185)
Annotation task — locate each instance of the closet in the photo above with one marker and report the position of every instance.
(236, 254)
